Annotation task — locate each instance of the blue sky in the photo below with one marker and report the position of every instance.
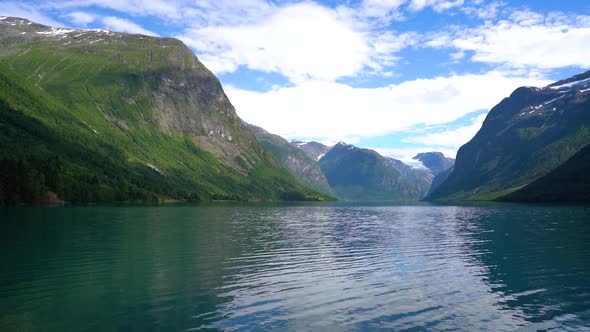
(399, 76)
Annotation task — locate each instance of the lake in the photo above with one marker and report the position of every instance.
(336, 266)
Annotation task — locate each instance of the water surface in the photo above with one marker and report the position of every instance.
(309, 267)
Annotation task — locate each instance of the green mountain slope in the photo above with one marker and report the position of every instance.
(438, 179)
(524, 137)
(94, 115)
(568, 182)
(363, 174)
(305, 169)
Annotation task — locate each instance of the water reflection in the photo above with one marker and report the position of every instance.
(363, 268)
(496, 268)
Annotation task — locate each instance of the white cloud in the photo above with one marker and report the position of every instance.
(485, 12)
(458, 55)
(437, 5)
(406, 154)
(124, 25)
(446, 141)
(81, 18)
(526, 17)
(382, 10)
(211, 13)
(23, 10)
(450, 138)
(329, 110)
(157, 8)
(438, 40)
(299, 41)
(385, 46)
(527, 39)
(380, 7)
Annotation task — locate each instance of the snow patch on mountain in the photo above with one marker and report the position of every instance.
(55, 32)
(108, 32)
(582, 82)
(413, 163)
(552, 100)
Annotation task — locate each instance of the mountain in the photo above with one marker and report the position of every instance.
(568, 182)
(435, 161)
(302, 166)
(96, 115)
(419, 177)
(523, 138)
(439, 165)
(438, 179)
(363, 174)
(314, 150)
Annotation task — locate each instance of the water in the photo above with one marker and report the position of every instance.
(315, 267)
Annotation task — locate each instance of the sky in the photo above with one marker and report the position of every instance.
(397, 76)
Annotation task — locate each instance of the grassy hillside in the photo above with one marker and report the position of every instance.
(569, 182)
(100, 116)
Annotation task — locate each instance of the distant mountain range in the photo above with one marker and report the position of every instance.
(522, 143)
(101, 116)
(303, 166)
(363, 174)
(354, 173)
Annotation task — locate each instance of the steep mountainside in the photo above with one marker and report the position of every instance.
(314, 150)
(524, 137)
(95, 115)
(568, 182)
(420, 178)
(355, 173)
(305, 169)
(436, 162)
(439, 179)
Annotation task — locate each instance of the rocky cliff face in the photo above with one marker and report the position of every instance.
(314, 150)
(133, 102)
(524, 137)
(181, 94)
(301, 165)
(419, 177)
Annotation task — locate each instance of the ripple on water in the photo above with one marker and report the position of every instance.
(494, 267)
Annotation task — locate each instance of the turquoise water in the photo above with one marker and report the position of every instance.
(295, 267)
